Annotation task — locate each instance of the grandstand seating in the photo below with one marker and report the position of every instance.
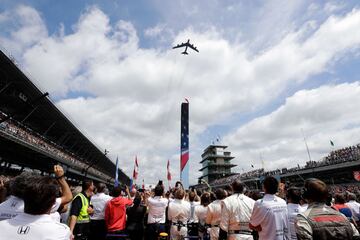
(336, 157)
(36, 134)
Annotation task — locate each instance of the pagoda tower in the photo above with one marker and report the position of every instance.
(216, 163)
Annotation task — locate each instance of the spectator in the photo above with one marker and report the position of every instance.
(320, 221)
(269, 216)
(80, 212)
(293, 197)
(156, 217)
(15, 204)
(135, 219)
(99, 201)
(133, 193)
(115, 211)
(36, 223)
(354, 206)
(342, 207)
(4, 187)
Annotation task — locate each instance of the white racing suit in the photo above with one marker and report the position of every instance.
(178, 215)
(213, 218)
(235, 216)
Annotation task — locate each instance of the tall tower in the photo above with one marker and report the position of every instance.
(184, 147)
(216, 163)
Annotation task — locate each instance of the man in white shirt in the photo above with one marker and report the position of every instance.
(99, 201)
(35, 222)
(157, 213)
(293, 197)
(15, 204)
(354, 206)
(270, 217)
(179, 215)
(213, 217)
(235, 214)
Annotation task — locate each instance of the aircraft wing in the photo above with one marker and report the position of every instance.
(180, 45)
(192, 47)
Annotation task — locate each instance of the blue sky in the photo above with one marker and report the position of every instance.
(265, 70)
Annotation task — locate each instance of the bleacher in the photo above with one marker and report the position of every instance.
(337, 167)
(34, 133)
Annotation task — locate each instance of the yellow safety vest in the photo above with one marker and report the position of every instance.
(83, 215)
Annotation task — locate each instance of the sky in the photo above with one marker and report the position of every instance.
(268, 74)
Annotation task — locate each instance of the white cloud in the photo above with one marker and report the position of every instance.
(28, 28)
(136, 92)
(326, 113)
(155, 31)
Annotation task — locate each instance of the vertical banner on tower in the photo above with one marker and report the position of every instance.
(184, 148)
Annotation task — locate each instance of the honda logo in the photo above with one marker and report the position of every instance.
(23, 230)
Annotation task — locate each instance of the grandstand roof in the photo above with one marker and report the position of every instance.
(24, 102)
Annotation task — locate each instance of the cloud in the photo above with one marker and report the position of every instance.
(28, 28)
(325, 113)
(135, 93)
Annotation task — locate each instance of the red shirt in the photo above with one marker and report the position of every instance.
(115, 213)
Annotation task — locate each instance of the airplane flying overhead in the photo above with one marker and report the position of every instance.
(186, 45)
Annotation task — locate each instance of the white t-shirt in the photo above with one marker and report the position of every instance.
(99, 202)
(157, 206)
(14, 205)
(293, 211)
(33, 227)
(271, 214)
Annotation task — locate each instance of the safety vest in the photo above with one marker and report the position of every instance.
(83, 215)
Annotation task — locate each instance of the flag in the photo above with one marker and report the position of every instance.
(218, 138)
(331, 143)
(143, 185)
(356, 175)
(184, 147)
(136, 169)
(117, 173)
(131, 183)
(168, 171)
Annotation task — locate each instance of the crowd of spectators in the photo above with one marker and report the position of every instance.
(342, 155)
(24, 133)
(42, 207)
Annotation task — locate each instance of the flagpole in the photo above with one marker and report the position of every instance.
(307, 148)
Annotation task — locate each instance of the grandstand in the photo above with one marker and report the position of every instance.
(35, 134)
(336, 169)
